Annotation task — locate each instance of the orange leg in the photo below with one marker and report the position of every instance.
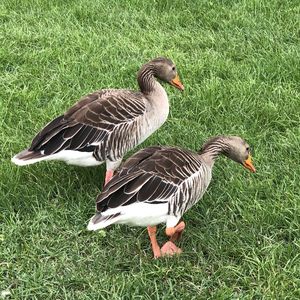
(177, 235)
(108, 176)
(169, 248)
(154, 244)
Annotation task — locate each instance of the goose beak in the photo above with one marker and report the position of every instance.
(177, 83)
(248, 164)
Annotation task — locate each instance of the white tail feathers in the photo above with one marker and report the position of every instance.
(99, 221)
(23, 162)
(27, 157)
(72, 157)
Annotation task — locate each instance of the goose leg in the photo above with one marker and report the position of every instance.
(111, 166)
(108, 176)
(169, 248)
(154, 244)
(179, 229)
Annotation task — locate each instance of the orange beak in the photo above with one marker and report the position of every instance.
(248, 164)
(177, 83)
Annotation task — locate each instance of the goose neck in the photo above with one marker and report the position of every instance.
(146, 79)
(213, 148)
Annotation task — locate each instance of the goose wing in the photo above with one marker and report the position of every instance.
(153, 175)
(91, 121)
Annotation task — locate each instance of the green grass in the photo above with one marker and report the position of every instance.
(239, 61)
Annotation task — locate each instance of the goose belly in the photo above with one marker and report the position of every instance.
(140, 214)
(152, 122)
(78, 158)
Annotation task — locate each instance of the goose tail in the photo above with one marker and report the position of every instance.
(27, 157)
(99, 221)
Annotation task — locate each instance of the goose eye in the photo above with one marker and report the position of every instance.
(248, 149)
(173, 68)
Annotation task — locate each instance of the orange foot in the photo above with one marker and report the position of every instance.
(169, 249)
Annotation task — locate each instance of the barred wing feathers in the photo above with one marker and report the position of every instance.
(156, 175)
(90, 123)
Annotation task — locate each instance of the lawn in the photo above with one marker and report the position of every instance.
(239, 62)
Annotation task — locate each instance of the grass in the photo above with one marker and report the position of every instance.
(239, 61)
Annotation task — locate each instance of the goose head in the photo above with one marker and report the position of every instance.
(163, 69)
(239, 151)
(166, 71)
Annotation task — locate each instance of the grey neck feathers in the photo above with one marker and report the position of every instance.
(214, 147)
(146, 79)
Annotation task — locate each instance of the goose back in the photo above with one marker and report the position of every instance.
(108, 122)
(158, 175)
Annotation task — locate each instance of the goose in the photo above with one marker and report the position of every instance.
(104, 125)
(159, 184)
